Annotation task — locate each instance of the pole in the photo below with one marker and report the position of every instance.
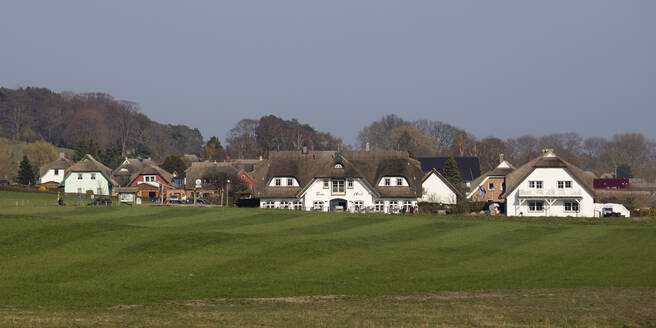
(227, 192)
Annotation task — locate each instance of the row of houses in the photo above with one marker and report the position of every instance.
(373, 181)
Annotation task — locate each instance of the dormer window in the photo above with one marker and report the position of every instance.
(399, 181)
(56, 171)
(283, 182)
(290, 182)
(278, 182)
(93, 176)
(339, 166)
(388, 181)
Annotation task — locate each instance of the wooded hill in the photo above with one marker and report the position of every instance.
(30, 114)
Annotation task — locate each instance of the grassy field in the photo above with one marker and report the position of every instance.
(82, 262)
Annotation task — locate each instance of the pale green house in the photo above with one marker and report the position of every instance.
(88, 175)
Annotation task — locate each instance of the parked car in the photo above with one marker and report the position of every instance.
(101, 201)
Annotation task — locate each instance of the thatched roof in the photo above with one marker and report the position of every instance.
(369, 166)
(62, 163)
(90, 164)
(131, 168)
(201, 170)
(548, 160)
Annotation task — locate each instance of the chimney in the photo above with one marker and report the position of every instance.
(500, 158)
(548, 152)
(62, 155)
(305, 150)
(367, 147)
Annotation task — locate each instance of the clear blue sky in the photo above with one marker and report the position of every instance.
(503, 68)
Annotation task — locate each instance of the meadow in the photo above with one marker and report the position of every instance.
(148, 263)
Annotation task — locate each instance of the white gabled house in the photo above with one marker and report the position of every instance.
(549, 186)
(381, 181)
(88, 175)
(53, 172)
(437, 189)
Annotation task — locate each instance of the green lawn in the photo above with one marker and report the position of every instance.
(84, 256)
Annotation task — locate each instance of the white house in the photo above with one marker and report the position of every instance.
(53, 172)
(88, 175)
(381, 181)
(437, 189)
(549, 186)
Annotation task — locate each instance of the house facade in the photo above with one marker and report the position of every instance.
(491, 185)
(437, 189)
(549, 186)
(88, 176)
(355, 181)
(52, 174)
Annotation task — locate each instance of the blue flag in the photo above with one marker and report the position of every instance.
(481, 191)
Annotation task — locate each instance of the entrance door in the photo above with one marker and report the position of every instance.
(338, 205)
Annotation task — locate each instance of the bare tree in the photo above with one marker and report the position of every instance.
(126, 119)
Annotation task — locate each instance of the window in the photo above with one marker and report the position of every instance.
(79, 176)
(379, 206)
(393, 206)
(285, 204)
(535, 206)
(339, 166)
(564, 184)
(268, 204)
(490, 186)
(399, 181)
(318, 205)
(535, 184)
(406, 205)
(297, 205)
(93, 176)
(149, 178)
(358, 205)
(325, 184)
(571, 206)
(290, 181)
(388, 181)
(278, 183)
(349, 183)
(338, 186)
(56, 171)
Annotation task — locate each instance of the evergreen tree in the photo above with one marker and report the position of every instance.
(213, 150)
(85, 146)
(174, 164)
(26, 173)
(452, 172)
(624, 171)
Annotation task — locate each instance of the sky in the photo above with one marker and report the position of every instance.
(495, 68)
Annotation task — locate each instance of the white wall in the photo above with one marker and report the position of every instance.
(434, 190)
(74, 185)
(283, 182)
(316, 192)
(51, 176)
(550, 177)
(393, 182)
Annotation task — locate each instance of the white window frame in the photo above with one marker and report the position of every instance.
(278, 182)
(338, 187)
(571, 206)
(326, 184)
(339, 166)
(297, 205)
(56, 171)
(399, 181)
(269, 204)
(290, 182)
(285, 204)
(358, 205)
(406, 205)
(349, 183)
(79, 176)
(317, 205)
(535, 184)
(388, 181)
(534, 204)
(379, 206)
(490, 186)
(93, 176)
